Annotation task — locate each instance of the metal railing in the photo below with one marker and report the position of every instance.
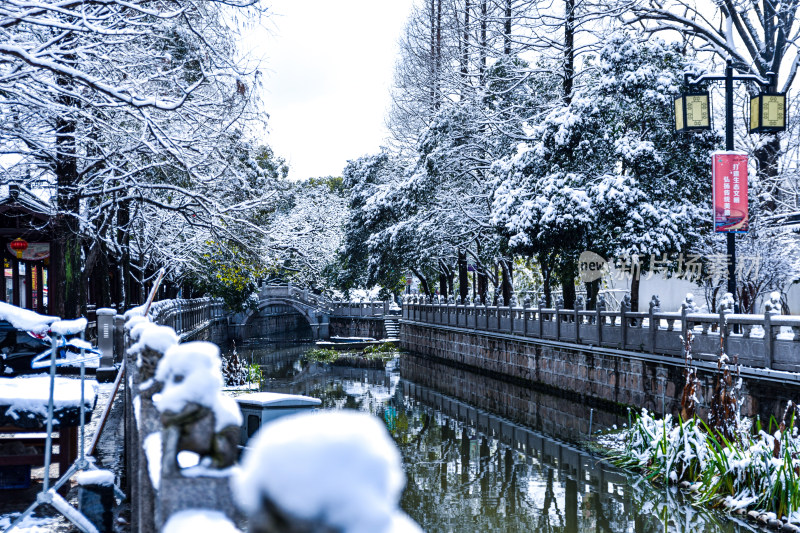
(762, 341)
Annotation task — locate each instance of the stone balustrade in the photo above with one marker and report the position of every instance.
(187, 316)
(769, 341)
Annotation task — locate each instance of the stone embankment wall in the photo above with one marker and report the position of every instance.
(548, 413)
(277, 320)
(613, 379)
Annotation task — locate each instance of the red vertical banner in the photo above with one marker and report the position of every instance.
(729, 183)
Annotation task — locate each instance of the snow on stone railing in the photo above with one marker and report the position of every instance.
(183, 434)
(184, 316)
(365, 309)
(338, 308)
(769, 340)
(325, 471)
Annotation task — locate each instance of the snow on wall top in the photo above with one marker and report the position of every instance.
(26, 319)
(337, 467)
(69, 327)
(192, 372)
(31, 394)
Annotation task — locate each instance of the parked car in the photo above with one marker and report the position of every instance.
(19, 349)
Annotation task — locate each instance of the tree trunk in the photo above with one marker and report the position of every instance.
(443, 285)
(592, 290)
(465, 44)
(507, 29)
(483, 283)
(547, 278)
(635, 281)
(569, 49)
(463, 282)
(67, 295)
(124, 277)
(508, 280)
(423, 283)
(450, 288)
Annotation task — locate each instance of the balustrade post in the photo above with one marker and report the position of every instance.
(655, 306)
(769, 341)
(684, 325)
(512, 308)
(725, 330)
(599, 308)
(578, 309)
(526, 303)
(558, 319)
(623, 311)
(541, 319)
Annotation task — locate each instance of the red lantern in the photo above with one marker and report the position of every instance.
(19, 245)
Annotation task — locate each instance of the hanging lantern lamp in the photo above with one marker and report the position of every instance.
(19, 246)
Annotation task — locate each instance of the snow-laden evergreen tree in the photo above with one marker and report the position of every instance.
(365, 261)
(607, 172)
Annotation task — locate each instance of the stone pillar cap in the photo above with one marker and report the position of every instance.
(106, 311)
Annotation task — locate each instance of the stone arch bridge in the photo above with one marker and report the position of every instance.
(286, 307)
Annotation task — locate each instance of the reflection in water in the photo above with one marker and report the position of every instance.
(471, 470)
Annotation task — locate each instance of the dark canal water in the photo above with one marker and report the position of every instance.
(483, 455)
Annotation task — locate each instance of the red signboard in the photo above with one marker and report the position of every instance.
(729, 182)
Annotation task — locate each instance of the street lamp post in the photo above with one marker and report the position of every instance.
(768, 113)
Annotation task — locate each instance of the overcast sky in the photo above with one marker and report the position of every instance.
(329, 66)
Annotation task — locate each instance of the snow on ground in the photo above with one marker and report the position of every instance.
(340, 468)
(31, 524)
(199, 520)
(30, 394)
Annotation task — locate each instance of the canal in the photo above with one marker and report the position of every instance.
(482, 455)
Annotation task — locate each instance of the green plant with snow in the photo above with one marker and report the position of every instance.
(729, 462)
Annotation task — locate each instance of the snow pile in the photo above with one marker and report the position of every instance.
(25, 319)
(31, 524)
(102, 478)
(192, 372)
(340, 468)
(198, 520)
(30, 395)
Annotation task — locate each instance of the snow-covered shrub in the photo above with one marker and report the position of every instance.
(758, 470)
(234, 371)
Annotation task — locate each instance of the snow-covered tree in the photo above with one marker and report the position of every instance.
(126, 109)
(607, 172)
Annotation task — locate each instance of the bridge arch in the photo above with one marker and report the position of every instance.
(318, 320)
